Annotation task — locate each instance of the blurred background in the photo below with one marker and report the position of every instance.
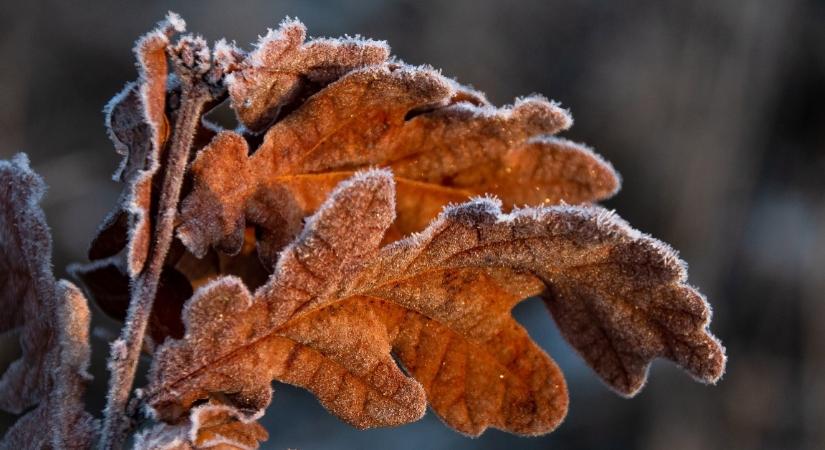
(713, 112)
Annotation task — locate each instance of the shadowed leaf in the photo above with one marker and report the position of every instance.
(107, 282)
(51, 320)
(138, 126)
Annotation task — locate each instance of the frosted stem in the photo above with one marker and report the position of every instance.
(126, 350)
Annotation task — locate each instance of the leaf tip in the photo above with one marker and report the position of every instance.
(175, 21)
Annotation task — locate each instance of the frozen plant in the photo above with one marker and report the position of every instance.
(360, 234)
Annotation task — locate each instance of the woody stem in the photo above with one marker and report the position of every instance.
(126, 350)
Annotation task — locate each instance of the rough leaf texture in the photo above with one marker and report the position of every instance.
(138, 126)
(50, 318)
(284, 69)
(441, 148)
(337, 306)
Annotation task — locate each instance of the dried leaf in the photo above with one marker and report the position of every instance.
(284, 69)
(199, 73)
(108, 283)
(336, 306)
(646, 311)
(401, 117)
(633, 286)
(50, 318)
(283, 63)
(355, 222)
(138, 126)
(213, 425)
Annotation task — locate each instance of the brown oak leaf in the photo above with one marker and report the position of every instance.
(139, 127)
(395, 116)
(338, 307)
(107, 281)
(284, 69)
(50, 318)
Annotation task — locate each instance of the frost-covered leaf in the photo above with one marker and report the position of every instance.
(209, 426)
(444, 140)
(406, 118)
(50, 318)
(139, 127)
(280, 239)
(620, 297)
(338, 239)
(337, 307)
(284, 69)
(108, 283)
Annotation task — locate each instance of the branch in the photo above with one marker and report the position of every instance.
(191, 62)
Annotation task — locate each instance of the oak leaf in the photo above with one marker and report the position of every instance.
(284, 69)
(50, 318)
(337, 308)
(108, 281)
(138, 125)
(406, 118)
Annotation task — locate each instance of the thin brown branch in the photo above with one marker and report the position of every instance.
(196, 93)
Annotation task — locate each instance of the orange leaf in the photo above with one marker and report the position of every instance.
(394, 116)
(337, 306)
(284, 69)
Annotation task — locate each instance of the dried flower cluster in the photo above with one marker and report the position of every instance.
(364, 213)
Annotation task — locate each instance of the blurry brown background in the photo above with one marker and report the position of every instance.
(713, 112)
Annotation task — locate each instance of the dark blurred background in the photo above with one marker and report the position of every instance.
(713, 112)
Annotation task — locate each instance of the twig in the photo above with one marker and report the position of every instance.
(191, 63)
